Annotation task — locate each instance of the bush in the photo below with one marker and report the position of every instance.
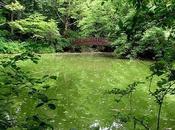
(4, 33)
(154, 40)
(11, 47)
(14, 47)
(147, 44)
(39, 47)
(121, 45)
(61, 44)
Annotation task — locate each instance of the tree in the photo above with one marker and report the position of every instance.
(98, 18)
(14, 8)
(64, 12)
(38, 26)
(140, 16)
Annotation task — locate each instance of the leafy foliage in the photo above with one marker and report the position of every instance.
(141, 24)
(154, 40)
(14, 82)
(11, 47)
(129, 24)
(99, 18)
(37, 25)
(15, 6)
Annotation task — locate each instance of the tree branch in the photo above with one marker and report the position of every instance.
(73, 23)
(2, 4)
(59, 17)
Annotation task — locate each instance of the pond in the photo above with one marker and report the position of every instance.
(81, 87)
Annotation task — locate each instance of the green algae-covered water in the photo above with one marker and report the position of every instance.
(81, 87)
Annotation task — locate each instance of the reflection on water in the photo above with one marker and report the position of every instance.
(114, 126)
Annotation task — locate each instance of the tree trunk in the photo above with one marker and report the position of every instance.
(11, 20)
(158, 116)
(66, 27)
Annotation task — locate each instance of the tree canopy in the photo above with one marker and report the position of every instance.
(126, 23)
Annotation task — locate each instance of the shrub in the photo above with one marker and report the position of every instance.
(121, 45)
(154, 40)
(148, 44)
(61, 44)
(38, 47)
(11, 47)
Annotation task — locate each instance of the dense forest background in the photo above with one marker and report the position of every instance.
(135, 28)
